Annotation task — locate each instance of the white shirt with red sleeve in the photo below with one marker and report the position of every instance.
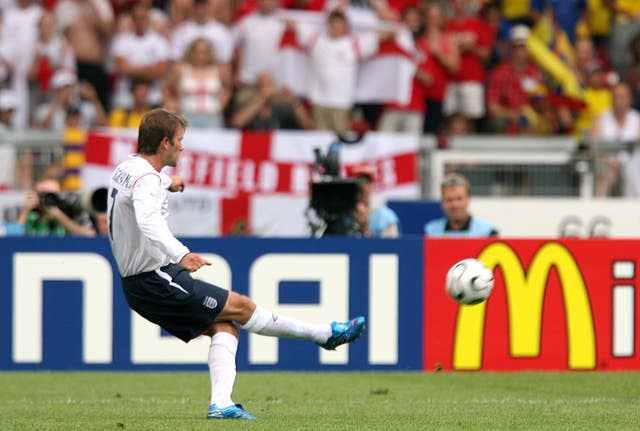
(137, 212)
(334, 67)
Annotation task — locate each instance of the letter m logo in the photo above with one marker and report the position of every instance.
(525, 294)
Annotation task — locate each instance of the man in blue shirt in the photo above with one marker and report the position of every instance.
(455, 191)
(377, 221)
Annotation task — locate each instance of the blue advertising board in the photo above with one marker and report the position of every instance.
(62, 308)
(414, 215)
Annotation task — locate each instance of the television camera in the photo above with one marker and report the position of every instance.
(334, 199)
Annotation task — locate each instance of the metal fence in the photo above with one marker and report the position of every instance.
(509, 166)
(38, 149)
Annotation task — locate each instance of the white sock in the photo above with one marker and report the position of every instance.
(222, 367)
(264, 322)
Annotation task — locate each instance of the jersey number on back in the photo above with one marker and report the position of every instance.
(114, 192)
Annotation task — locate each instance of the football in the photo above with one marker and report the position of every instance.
(469, 282)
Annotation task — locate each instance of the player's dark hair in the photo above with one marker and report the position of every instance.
(156, 125)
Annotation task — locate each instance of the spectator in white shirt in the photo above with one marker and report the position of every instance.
(141, 53)
(618, 125)
(199, 87)
(335, 55)
(202, 25)
(19, 35)
(7, 108)
(257, 38)
(52, 52)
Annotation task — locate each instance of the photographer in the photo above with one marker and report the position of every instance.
(45, 213)
(344, 206)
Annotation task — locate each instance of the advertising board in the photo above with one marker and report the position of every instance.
(556, 305)
(61, 305)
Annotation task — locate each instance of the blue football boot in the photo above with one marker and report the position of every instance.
(235, 411)
(344, 332)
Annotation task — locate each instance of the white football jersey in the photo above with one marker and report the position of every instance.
(137, 213)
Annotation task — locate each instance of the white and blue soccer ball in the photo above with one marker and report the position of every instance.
(469, 282)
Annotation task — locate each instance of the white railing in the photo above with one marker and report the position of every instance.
(552, 158)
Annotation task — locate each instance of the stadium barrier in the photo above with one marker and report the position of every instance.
(536, 217)
(496, 164)
(62, 307)
(499, 165)
(246, 178)
(40, 148)
(556, 305)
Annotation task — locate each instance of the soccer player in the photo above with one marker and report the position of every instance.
(155, 267)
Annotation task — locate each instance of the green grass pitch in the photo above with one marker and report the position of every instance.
(323, 401)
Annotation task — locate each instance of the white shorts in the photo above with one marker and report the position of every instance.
(394, 120)
(466, 98)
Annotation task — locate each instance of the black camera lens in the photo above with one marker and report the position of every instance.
(48, 199)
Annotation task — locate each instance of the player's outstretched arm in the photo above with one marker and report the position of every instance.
(193, 262)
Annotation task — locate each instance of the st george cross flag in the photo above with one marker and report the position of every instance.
(257, 183)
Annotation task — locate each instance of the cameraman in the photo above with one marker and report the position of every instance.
(374, 220)
(45, 213)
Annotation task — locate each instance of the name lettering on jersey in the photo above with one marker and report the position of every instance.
(123, 178)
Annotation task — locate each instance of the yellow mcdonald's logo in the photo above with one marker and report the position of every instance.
(525, 295)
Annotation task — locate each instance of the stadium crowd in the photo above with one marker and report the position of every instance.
(523, 67)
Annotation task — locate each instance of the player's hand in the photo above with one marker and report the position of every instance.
(193, 262)
(177, 183)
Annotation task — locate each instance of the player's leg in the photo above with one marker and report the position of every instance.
(253, 318)
(222, 362)
(222, 370)
(224, 345)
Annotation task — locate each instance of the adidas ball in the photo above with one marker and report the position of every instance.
(469, 282)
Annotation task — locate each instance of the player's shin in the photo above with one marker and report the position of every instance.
(264, 322)
(222, 367)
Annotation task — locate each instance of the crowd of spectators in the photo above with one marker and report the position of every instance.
(536, 67)
(477, 68)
